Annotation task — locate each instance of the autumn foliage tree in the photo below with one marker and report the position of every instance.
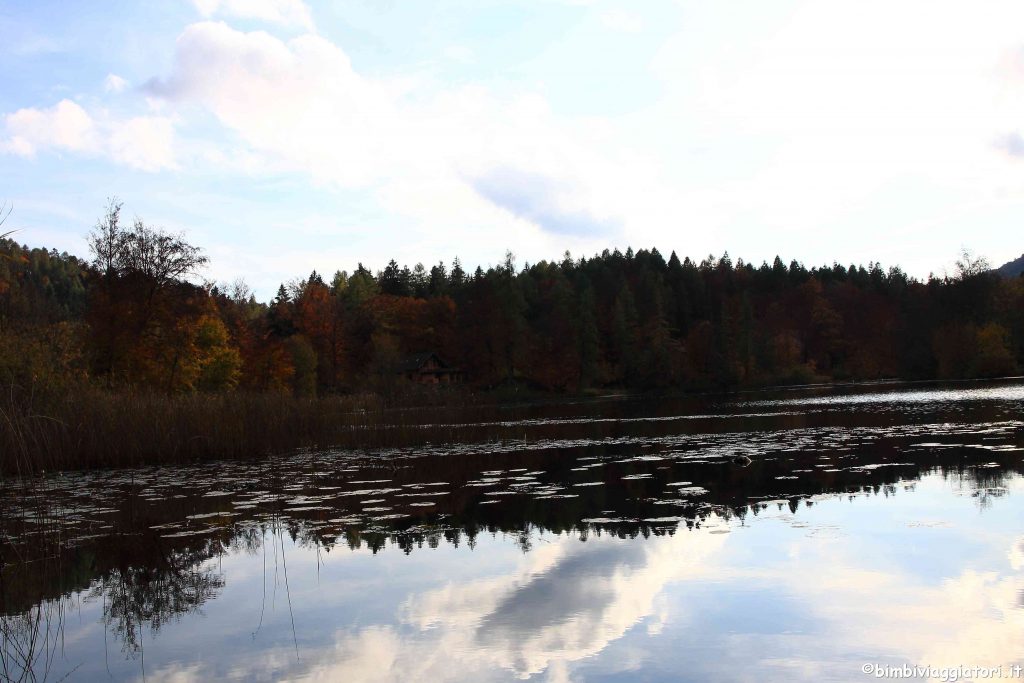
(148, 325)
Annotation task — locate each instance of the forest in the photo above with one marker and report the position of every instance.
(133, 316)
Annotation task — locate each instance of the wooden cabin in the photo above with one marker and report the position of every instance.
(428, 368)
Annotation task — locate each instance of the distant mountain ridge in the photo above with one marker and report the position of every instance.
(1012, 269)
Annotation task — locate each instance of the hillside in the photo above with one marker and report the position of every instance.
(1013, 268)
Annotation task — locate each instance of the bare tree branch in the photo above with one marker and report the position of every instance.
(152, 252)
(5, 212)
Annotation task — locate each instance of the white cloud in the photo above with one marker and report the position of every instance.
(300, 103)
(522, 622)
(142, 142)
(1012, 144)
(620, 20)
(971, 619)
(459, 53)
(114, 83)
(1012, 64)
(541, 200)
(847, 128)
(290, 13)
(63, 127)
(565, 603)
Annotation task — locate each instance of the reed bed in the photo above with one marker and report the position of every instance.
(93, 428)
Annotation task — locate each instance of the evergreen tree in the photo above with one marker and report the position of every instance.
(394, 280)
(588, 337)
(625, 339)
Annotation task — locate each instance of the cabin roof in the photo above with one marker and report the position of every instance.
(418, 360)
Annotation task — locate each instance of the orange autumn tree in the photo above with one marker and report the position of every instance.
(415, 325)
(148, 326)
(266, 363)
(319, 316)
(193, 353)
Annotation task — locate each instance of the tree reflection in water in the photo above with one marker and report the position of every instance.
(138, 596)
(31, 641)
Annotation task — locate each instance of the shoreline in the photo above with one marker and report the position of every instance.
(97, 429)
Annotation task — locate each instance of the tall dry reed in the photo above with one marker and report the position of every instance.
(90, 427)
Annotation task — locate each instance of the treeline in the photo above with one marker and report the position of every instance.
(130, 317)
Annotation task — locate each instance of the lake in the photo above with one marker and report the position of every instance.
(802, 535)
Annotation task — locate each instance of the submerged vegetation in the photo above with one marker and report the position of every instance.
(123, 359)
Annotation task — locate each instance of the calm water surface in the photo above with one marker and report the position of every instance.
(796, 535)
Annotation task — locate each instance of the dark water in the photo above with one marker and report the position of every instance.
(608, 540)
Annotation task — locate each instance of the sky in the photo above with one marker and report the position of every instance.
(284, 136)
